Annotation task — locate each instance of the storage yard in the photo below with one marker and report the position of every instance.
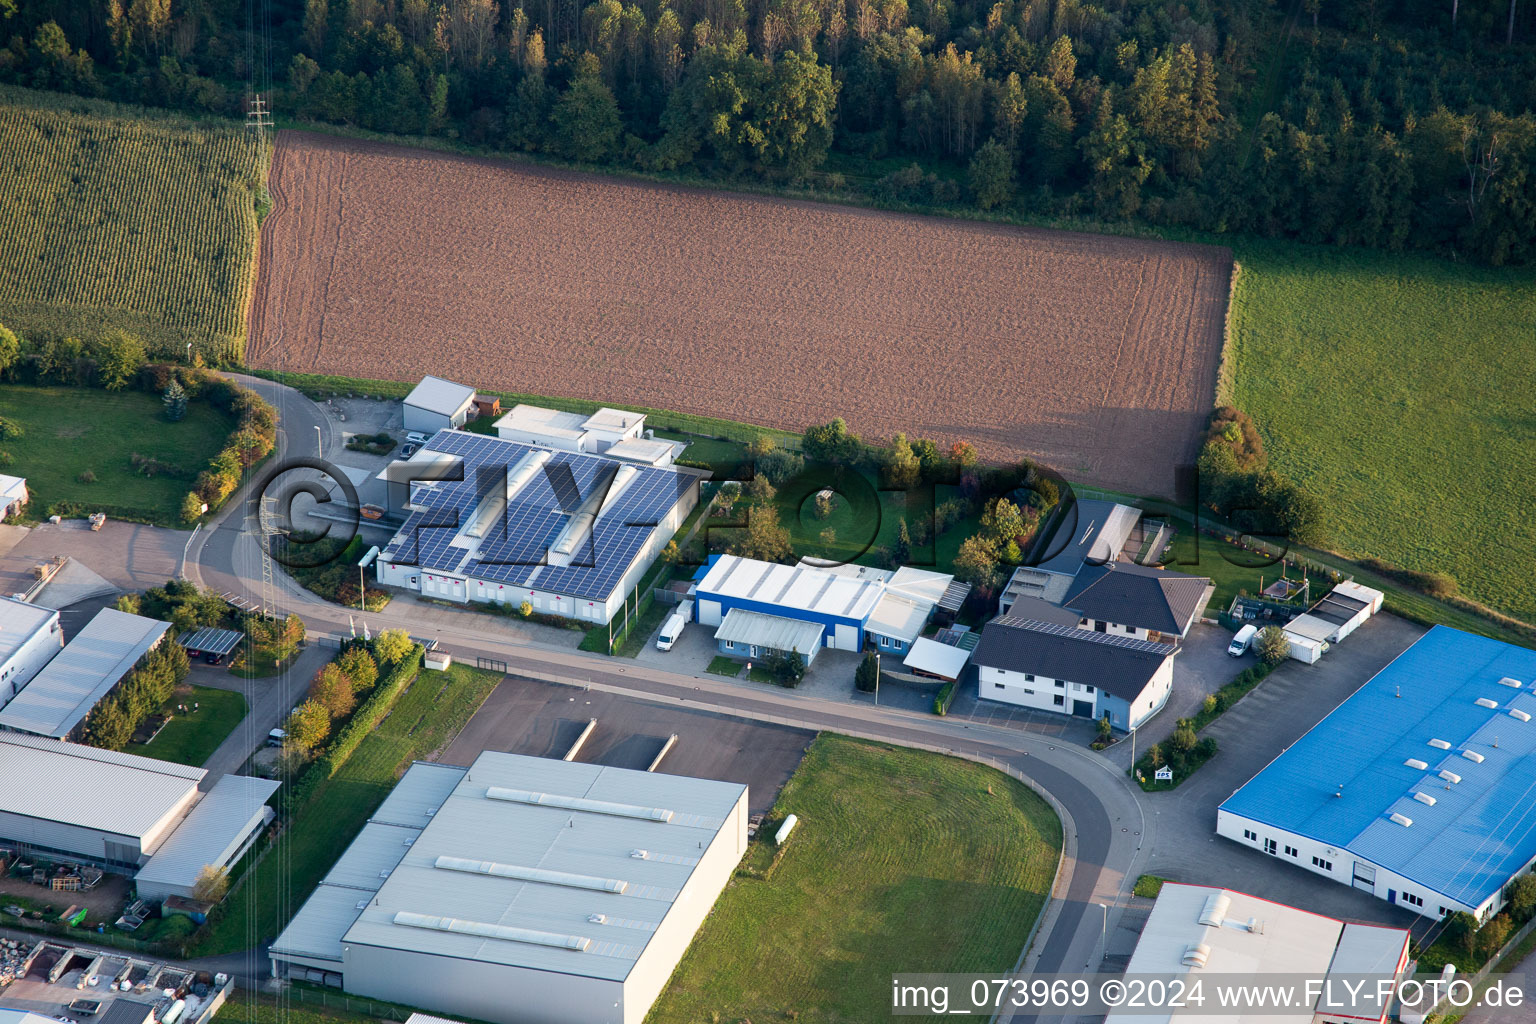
(387, 262)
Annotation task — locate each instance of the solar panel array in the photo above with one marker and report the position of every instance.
(514, 548)
(1130, 643)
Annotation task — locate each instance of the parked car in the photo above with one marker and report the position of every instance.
(411, 448)
(277, 737)
(416, 437)
(372, 511)
(1243, 640)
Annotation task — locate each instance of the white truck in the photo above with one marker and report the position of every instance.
(1243, 640)
(673, 627)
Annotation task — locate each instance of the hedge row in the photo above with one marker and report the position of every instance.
(364, 721)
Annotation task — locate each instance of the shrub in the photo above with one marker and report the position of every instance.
(1272, 646)
(10, 429)
(358, 666)
(866, 676)
(87, 477)
(392, 645)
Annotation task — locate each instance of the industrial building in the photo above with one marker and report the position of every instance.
(1198, 931)
(1039, 657)
(569, 533)
(1099, 534)
(223, 825)
(29, 638)
(1341, 611)
(616, 433)
(75, 803)
(58, 698)
(437, 404)
(760, 607)
(522, 890)
(1417, 788)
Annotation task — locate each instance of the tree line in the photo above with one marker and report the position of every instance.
(1389, 123)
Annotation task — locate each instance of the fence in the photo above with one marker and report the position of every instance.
(352, 1004)
(492, 664)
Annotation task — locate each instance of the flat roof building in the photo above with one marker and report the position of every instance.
(57, 700)
(29, 638)
(1417, 788)
(574, 885)
(1200, 931)
(571, 534)
(437, 404)
(218, 831)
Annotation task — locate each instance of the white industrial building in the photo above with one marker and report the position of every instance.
(437, 404)
(223, 825)
(522, 890)
(75, 803)
(29, 638)
(58, 698)
(13, 495)
(571, 534)
(1197, 931)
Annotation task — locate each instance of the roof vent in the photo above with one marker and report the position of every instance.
(1256, 925)
(1473, 756)
(640, 854)
(384, 873)
(597, 918)
(1416, 764)
(1486, 702)
(1507, 681)
(1440, 744)
(431, 811)
(1196, 956)
(1215, 909)
(361, 905)
(1449, 776)
(528, 874)
(1524, 716)
(491, 931)
(1402, 819)
(1424, 798)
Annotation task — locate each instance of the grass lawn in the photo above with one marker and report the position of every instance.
(1148, 886)
(69, 431)
(425, 719)
(192, 738)
(1397, 390)
(903, 860)
(720, 665)
(1204, 555)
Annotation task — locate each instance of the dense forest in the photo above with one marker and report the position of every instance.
(1387, 123)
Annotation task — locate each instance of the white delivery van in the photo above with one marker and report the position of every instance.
(1243, 640)
(673, 627)
(276, 738)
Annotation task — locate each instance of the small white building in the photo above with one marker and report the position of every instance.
(616, 433)
(437, 404)
(1199, 931)
(13, 495)
(29, 638)
(522, 890)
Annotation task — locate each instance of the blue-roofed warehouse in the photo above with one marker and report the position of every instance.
(494, 520)
(1420, 788)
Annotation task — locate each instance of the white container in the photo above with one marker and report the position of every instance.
(785, 829)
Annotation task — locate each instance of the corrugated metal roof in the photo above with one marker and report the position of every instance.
(530, 835)
(772, 631)
(1310, 627)
(97, 789)
(801, 587)
(418, 794)
(212, 832)
(60, 696)
(317, 929)
(441, 396)
(1341, 782)
(937, 659)
(9, 1016)
(372, 856)
(1368, 949)
(423, 1018)
(20, 622)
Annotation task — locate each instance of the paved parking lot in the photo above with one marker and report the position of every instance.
(1293, 699)
(524, 716)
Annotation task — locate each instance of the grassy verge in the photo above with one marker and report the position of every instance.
(333, 574)
(193, 736)
(1216, 705)
(78, 444)
(1511, 960)
(1148, 886)
(424, 720)
(901, 858)
(1388, 386)
(720, 665)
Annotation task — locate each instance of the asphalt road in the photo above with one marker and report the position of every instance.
(1106, 838)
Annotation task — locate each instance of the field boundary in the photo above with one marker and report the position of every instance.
(1226, 359)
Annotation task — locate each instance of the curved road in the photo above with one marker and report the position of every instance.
(1106, 833)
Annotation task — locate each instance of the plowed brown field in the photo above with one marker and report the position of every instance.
(1095, 354)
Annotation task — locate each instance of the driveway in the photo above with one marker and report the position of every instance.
(1288, 703)
(1201, 667)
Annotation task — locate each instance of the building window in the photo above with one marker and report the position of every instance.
(1130, 629)
(1250, 835)
(1290, 851)
(1088, 688)
(1029, 691)
(1083, 623)
(1417, 901)
(1029, 677)
(1060, 700)
(1444, 911)
(730, 645)
(1000, 686)
(1326, 865)
(1060, 685)
(1269, 847)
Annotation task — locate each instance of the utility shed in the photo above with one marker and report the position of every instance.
(57, 700)
(219, 830)
(1417, 788)
(29, 638)
(575, 886)
(437, 404)
(86, 804)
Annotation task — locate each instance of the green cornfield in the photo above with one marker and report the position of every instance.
(111, 220)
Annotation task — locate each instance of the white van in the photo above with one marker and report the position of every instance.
(1243, 640)
(276, 738)
(673, 627)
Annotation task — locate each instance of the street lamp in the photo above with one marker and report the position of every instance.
(319, 448)
(1104, 933)
(877, 679)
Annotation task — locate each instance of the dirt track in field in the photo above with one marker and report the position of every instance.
(1092, 353)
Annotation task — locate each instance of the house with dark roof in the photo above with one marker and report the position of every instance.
(1137, 600)
(1042, 659)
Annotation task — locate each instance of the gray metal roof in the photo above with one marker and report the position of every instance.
(211, 640)
(772, 631)
(419, 793)
(441, 396)
(317, 929)
(547, 842)
(1097, 532)
(372, 856)
(1119, 665)
(60, 696)
(212, 833)
(97, 789)
(20, 622)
